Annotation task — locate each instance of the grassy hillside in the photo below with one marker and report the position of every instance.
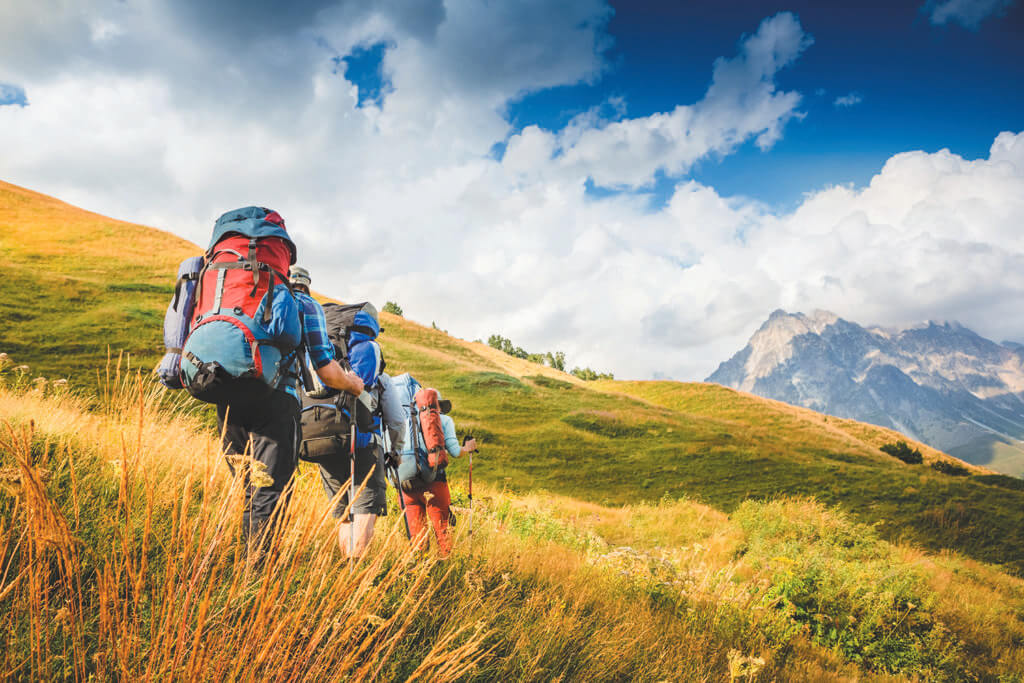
(120, 559)
(74, 283)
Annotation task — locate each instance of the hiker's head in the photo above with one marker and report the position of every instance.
(371, 311)
(445, 404)
(366, 318)
(299, 278)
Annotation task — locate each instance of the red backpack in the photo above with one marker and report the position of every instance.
(428, 407)
(246, 329)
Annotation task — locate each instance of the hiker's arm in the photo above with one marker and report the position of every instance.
(451, 441)
(335, 377)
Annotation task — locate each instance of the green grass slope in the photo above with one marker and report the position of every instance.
(74, 282)
(121, 559)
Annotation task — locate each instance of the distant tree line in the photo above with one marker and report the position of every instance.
(551, 359)
(590, 375)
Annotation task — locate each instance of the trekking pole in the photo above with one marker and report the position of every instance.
(464, 441)
(401, 503)
(392, 458)
(352, 491)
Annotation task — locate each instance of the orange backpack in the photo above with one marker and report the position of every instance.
(429, 408)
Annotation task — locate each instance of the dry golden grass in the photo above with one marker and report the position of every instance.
(120, 558)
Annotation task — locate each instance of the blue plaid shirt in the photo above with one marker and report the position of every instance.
(319, 349)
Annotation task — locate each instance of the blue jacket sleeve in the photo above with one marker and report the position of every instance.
(284, 324)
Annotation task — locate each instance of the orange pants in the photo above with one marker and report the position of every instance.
(435, 502)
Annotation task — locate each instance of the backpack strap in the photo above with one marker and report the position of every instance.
(253, 265)
(178, 285)
(295, 355)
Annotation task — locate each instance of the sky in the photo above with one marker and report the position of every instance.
(636, 184)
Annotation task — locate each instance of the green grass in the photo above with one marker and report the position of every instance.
(66, 295)
(145, 576)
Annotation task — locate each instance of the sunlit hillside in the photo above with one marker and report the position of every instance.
(96, 283)
(120, 559)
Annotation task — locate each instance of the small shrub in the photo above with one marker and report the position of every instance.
(393, 308)
(486, 381)
(607, 424)
(549, 382)
(952, 469)
(902, 451)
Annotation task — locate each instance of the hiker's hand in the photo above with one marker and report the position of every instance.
(335, 377)
(356, 385)
(469, 446)
(391, 460)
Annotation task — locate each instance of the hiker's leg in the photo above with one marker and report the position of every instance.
(236, 432)
(233, 423)
(363, 535)
(439, 508)
(334, 477)
(371, 501)
(274, 438)
(416, 516)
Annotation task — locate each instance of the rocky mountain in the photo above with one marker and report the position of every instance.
(936, 382)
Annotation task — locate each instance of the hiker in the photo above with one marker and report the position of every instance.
(432, 499)
(327, 422)
(242, 352)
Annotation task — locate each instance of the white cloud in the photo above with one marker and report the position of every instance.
(848, 100)
(741, 104)
(967, 13)
(182, 112)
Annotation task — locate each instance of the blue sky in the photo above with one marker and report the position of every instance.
(921, 86)
(637, 184)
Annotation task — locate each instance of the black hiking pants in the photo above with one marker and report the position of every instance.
(272, 426)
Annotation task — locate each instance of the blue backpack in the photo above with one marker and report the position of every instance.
(414, 470)
(326, 413)
(244, 326)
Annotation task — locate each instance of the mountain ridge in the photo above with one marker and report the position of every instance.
(938, 382)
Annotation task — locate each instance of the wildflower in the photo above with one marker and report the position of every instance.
(22, 368)
(236, 460)
(60, 382)
(10, 481)
(374, 620)
(259, 477)
(742, 666)
(474, 581)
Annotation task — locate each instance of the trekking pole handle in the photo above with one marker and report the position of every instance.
(466, 439)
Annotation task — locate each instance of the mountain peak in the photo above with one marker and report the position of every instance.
(936, 380)
(772, 344)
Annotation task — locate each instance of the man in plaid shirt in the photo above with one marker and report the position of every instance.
(272, 427)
